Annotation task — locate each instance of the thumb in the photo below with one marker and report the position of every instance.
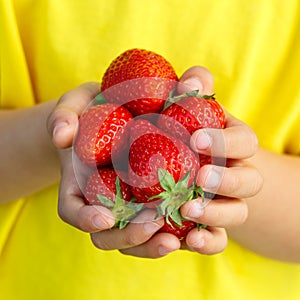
(63, 120)
(196, 78)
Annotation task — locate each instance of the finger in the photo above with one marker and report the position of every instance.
(218, 213)
(63, 121)
(236, 182)
(87, 218)
(137, 232)
(71, 206)
(159, 245)
(211, 240)
(236, 141)
(196, 78)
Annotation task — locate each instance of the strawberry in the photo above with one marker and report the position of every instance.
(179, 231)
(99, 128)
(140, 80)
(182, 230)
(151, 150)
(162, 170)
(103, 182)
(104, 187)
(191, 113)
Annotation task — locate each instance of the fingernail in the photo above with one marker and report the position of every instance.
(163, 251)
(99, 223)
(151, 227)
(212, 180)
(203, 140)
(58, 126)
(195, 211)
(193, 83)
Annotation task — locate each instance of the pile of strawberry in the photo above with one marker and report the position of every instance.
(136, 137)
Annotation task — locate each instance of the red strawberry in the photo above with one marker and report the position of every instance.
(179, 231)
(103, 182)
(163, 168)
(182, 118)
(152, 150)
(99, 128)
(192, 113)
(140, 80)
(104, 187)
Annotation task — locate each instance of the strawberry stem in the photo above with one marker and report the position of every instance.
(175, 195)
(122, 211)
(194, 93)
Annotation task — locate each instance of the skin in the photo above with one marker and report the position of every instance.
(247, 208)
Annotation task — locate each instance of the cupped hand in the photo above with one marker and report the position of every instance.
(139, 238)
(232, 182)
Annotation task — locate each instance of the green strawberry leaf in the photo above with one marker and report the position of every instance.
(99, 99)
(184, 182)
(105, 201)
(135, 206)
(199, 226)
(194, 93)
(176, 217)
(170, 96)
(175, 195)
(166, 180)
(123, 211)
(198, 192)
(122, 224)
(162, 208)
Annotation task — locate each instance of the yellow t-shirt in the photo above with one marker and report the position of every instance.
(51, 46)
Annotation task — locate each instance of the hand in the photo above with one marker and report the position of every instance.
(232, 183)
(62, 124)
(138, 238)
(135, 238)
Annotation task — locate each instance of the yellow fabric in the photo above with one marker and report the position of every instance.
(51, 46)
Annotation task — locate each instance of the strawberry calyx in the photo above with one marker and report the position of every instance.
(175, 195)
(200, 226)
(194, 93)
(99, 99)
(123, 211)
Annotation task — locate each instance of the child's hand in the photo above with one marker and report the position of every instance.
(139, 238)
(62, 125)
(232, 184)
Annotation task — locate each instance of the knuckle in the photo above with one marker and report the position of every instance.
(100, 242)
(53, 118)
(84, 225)
(50, 121)
(233, 184)
(62, 215)
(252, 142)
(222, 244)
(79, 220)
(213, 215)
(215, 242)
(258, 183)
(61, 210)
(131, 240)
(216, 245)
(243, 214)
(63, 98)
